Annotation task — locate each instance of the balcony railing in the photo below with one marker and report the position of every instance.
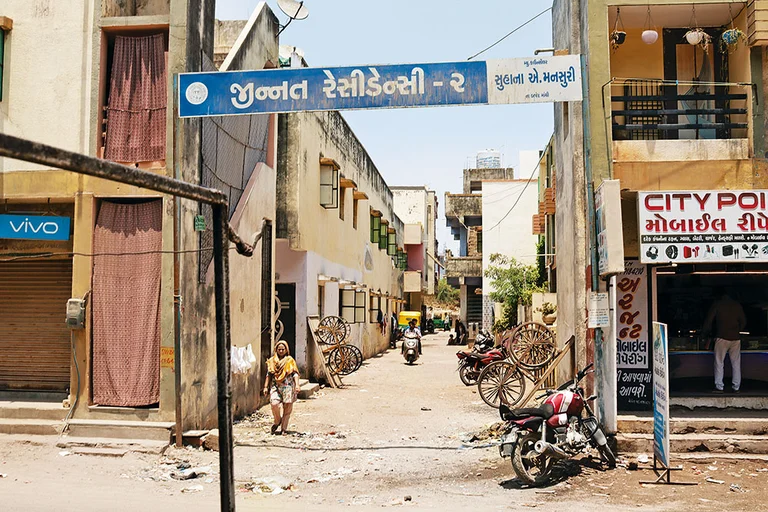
(657, 109)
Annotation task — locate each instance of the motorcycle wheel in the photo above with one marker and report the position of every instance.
(606, 454)
(465, 373)
(531, 468)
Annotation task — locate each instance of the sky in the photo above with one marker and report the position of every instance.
(424, 146)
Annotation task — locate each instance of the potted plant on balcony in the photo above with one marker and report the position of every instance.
(548, 313)
(697, 36)
(731, 38)
(618, 36)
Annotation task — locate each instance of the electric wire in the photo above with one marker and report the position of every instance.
(513, 31)
(516, 201)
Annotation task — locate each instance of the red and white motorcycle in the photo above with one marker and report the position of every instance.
(563, 426)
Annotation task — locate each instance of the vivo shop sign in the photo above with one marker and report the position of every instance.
(703, 226)
(34, 227)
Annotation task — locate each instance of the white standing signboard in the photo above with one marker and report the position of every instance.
(610, 237)
(660, 394)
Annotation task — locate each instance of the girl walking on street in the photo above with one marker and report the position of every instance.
(281, 385)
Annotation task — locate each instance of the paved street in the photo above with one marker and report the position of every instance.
(391, 438)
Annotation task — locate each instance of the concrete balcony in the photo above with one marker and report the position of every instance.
(471, 266)
(412, 281)
(463, 210)
(413, 234)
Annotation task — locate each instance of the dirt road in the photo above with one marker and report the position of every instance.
(393, 437)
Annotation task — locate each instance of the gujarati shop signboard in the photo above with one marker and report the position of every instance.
(703, 226)
(492, 82)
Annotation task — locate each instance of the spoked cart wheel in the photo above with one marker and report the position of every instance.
(501, 383)
(345, 359)
(532, 345)
(333, 330)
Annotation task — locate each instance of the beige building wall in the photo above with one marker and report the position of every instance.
(316, 243)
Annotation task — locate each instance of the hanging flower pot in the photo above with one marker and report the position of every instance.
(731, 38)
(649, 36)
(697, 36)
(618, 36)
(694, 36)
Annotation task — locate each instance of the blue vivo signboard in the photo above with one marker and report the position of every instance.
(660, 394)
(34, 227)
(391, 86)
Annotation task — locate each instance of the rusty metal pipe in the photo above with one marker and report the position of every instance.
(27, 150)
(223, 344)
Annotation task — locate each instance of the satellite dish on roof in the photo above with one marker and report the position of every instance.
(293, 9)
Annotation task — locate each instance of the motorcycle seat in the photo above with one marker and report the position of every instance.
(546, 411)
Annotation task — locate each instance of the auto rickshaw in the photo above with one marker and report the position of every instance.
(405, 316)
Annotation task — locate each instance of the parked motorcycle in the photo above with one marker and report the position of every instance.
(536, 437)
(472, 362)
(429, 328)
(410, 346)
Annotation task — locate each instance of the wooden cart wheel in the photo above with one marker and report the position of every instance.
(501, 383)
(532, 345)
(332, 330)
(358, 358)
(344, 359)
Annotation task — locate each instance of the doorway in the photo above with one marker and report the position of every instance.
(699, 109)
(286, 294)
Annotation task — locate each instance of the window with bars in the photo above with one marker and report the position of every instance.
(352, 305)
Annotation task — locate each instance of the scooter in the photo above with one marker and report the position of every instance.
(410, 347)
(536, 437)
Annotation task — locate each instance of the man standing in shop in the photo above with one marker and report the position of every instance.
(729, 319)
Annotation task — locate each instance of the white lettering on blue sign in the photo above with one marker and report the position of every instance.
(388, 86)
(34, 227)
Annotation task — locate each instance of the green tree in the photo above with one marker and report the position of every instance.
(513, 284)
(447, 294)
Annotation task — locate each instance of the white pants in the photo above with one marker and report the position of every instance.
(733, 349)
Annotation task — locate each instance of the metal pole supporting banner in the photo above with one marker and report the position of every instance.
(223, 344)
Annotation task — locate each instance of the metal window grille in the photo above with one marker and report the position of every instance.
(641, 91)
(231, 147)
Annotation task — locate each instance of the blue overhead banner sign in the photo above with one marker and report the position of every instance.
(34, 227)
(530, 80)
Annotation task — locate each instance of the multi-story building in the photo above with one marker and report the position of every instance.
(676, 115)
(340, 243)
(492, 216)
(417, 208)
(139, 261)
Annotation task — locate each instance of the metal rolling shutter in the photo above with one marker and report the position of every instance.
(34, 340)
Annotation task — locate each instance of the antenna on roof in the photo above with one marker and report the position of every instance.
(294, 9)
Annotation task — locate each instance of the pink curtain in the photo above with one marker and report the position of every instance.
(137, 100)
(126, 304)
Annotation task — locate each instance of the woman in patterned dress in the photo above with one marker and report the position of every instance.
(282, 386)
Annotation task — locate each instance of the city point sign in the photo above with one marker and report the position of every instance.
(492, 82)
